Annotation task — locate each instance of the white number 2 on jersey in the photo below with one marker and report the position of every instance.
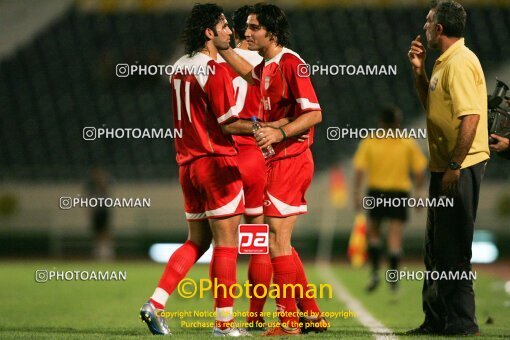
(240, 88)
(177, 87)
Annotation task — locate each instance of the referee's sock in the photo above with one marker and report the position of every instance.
(394, 260)
(374, 252)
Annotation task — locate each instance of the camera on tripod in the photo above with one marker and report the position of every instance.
(499, 116)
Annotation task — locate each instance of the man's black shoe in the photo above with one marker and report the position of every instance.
(462, 333)
(423, 330)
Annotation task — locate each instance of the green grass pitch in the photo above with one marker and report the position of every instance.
(105, 310)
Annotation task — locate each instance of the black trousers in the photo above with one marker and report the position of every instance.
(449, 305)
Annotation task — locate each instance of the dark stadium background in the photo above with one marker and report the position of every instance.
(57, 76)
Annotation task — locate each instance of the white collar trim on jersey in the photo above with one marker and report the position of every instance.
(278, 57)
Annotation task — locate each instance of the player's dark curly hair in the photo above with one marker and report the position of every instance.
(451, 15)
(274, 20)
(239, 20)
(202, 16)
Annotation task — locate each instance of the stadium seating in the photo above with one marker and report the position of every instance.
(65, 80)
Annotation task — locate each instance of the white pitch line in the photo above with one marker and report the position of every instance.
(365, 318)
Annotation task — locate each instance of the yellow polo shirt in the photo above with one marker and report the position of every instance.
(388, 162)
(457, 88)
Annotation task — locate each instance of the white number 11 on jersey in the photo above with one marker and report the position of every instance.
(177, 87)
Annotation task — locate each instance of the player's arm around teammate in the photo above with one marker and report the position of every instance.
(204, 108)
(284, 94)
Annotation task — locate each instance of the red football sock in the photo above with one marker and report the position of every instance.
(284, 272)
(211, 266)
(223, 268)
(178, 265)
(157, 304)
(305, 304)
(260, 271)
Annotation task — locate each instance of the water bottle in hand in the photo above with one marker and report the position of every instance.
(269, 151)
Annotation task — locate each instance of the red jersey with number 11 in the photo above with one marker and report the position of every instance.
(202, 100)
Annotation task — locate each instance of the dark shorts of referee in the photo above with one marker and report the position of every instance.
(392, 213)
(449, 305)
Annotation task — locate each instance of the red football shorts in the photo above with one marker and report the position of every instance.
(252, 166)
(287, 182)
(212, 188)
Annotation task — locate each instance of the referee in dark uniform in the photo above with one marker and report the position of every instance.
(455, 99)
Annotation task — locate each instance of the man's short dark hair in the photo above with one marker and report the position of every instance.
(202, 16)
(239, 20)
(391, 116)
(451, 15)
(274, 20)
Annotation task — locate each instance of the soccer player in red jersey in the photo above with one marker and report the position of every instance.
(286, 93)
(204, 108)
(250, 159)
(252, 164)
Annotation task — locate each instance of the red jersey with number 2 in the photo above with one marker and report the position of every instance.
(247, 96)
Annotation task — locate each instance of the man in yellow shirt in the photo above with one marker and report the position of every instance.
(455, 99)
(387, 163)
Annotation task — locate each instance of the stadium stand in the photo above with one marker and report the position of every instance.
(64, 79)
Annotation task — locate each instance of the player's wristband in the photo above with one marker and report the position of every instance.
(283, 133)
